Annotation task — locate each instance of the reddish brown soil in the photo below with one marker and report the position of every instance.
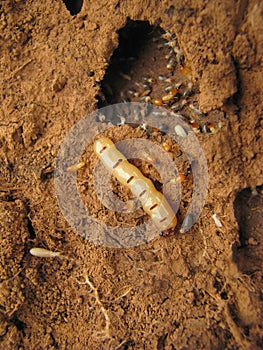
(199, 290)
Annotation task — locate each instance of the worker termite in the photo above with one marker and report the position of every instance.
(172, 93)
(148, 157)
(147, 99)
(157, 101)
(187, 72)
(162, 78)
(178, 180)
(144, 127)
(167, 98)
(153, 202)
(169, 88)
(178, 106)
(125, 76)
(75, 167)
(170, 54)
(148, 79)
(166, 146)
(195, 126)
(196, 110)
(146, 93)
(155, 131)
(45, 253)
(130, 205)
(210, 128)
(122, 120)
(189, 90)
(167, 35)
(181, 177)
(171, 64)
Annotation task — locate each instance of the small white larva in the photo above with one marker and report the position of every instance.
(217, 221)
(153, 201)
(180, 131)
(44, 253)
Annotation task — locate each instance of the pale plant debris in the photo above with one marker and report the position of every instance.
(106, 332)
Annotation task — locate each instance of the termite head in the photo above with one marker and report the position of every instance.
(75, 167)
(102, 144)
(195, 126)
(210, 128)
(167, 233)
(186, 71)
(144, 126)
(166, 146)
(167, 35)
(147, 99)
(122, 120)
(129, 205)
(157, 101)
(179, 179)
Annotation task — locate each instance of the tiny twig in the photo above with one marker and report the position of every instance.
(19, 69)
(120, 345)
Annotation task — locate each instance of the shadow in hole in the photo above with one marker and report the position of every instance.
(74, 6)
(134, 39)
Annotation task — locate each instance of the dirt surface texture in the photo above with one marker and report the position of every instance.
(61, 61)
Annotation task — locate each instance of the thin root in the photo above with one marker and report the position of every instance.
(106, 332)
(20, 68)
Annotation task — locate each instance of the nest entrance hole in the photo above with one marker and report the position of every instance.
(133, 57)
(73, 6)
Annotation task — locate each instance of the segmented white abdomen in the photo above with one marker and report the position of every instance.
(153, 201)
